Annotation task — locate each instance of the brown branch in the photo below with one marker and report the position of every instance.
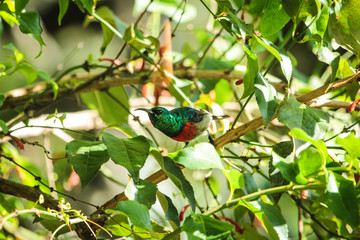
(26, 192)
(21, 96)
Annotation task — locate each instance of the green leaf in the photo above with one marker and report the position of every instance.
(279, 54)
(298, 115)
(143, 192)
(344, 26)
(251, 71)
(231, 22)
(340, 197)
(87, 4)
(119, 226)
(20, 5)
(4, 127)
(63, 7)
(86, 158)
(265, 95)
(284, 149)
(332, 58)
(44, 76)
(200, 156)
(258, 209)
(136, 212)
(29, 23)
(111, 18)
(274, 18)
(130, 153)
(176, 176)
(351, 144)
(203, 227)
(28, 71)
(205, 84)
(291, 7)
(223, 92)
(275, 217)
(310, 162)
(19, 56)
(235, 179)
(320, 145)
(2, 99)
(289, 170)
(171, 213)
(109, 110)
(7, 15)
(319, 27)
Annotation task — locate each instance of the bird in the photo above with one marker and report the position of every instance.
(181, 124)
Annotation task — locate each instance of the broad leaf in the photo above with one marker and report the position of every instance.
(176, 176)
(171, 213)
(203, 227)
(341, 199)
(235, 179)
(319, 144)
(29, 22)
(86, 158)
(274, 18)
(310, 162)
(87, 4)
(351, 144)
(113, 20)
(251, 71)
(20, 5)
(272, 220)
(200, 156)
(265, 95)
(130, 153)
(119, 226)
(136, 212)
(281, 56)
(28, 71)
(109, 110)
(143, 192)
(332, 58)
(298, 115)
(289, 170)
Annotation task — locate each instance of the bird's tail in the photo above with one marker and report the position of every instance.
(220, 117)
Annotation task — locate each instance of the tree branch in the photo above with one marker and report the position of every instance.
(21, 96)
(29, 193)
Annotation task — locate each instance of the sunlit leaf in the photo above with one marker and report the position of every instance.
(274, 18)
(341, 199)
(203, 227)
(143, 192)
(298, 115)
(136, 212)
(251, 71)
(130, 153)
(200, 156)
(176, 176)
(265, 95)
(281, 56)
(86, 158)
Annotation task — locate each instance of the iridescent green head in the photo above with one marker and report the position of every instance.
(164, 120)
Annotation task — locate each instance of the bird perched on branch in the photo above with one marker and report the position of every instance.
(181, 124)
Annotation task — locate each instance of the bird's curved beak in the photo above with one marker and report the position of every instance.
(144, 109)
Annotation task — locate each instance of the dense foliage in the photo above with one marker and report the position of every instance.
(284, 165)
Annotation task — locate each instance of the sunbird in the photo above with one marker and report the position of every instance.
(181, 124)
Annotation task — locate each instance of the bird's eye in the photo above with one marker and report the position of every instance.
(159, 111)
